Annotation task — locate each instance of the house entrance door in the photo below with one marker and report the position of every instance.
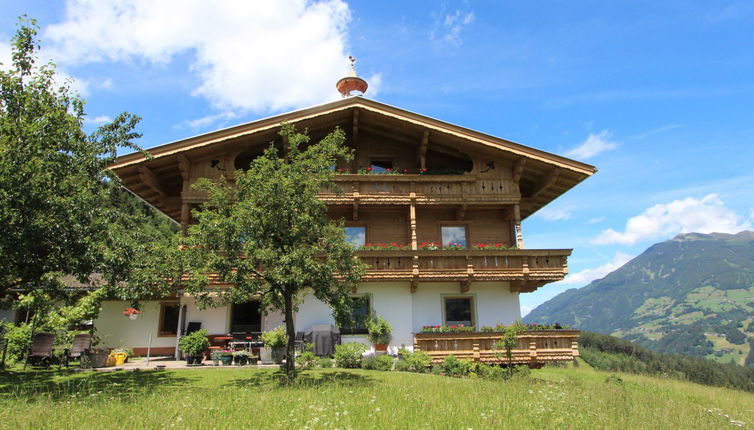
(246, 318)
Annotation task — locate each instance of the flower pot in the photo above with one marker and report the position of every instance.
(227, 360)
(194, 360)
(241, 360)
(380, 347)
(272, 355)
(96, 358)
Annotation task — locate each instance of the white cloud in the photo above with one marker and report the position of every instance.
(555, 214)
(448, 26)
(593, 145)
(209, 119)
(679, 216)
(255, 55)
(97, 120)
(596, 220)
(106, 84)
(588, 275)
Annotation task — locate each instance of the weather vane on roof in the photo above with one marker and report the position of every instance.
(351, 83)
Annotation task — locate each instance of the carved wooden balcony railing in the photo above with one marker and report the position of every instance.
(535, 266)
(535, 348)
(420, 189)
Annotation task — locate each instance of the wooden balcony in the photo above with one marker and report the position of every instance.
(527, 269)
(535, 348)
(419, 189)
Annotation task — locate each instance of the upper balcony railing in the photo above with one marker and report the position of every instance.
(467, 264)
(421, 189)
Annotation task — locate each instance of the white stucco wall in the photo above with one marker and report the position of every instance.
(215, 320)
(493, 302)
(116, 330)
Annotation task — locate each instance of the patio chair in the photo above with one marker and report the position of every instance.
(41, 350)
(81, 343)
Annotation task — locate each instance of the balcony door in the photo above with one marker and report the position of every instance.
(246, 317)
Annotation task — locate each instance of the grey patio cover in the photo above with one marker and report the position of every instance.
(324, 337)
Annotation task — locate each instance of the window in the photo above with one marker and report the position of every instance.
(454, 235)
(381, 166)
(360, 313)
(356, 236)
(459, 310)
(169, 319)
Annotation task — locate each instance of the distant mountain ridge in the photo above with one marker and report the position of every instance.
(693, 294)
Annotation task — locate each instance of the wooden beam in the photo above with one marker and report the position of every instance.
(518, 169)
(465, 286)
(421, 154)
(548, 180)
(355, 126)
(412, 225)
(461, 212)
(152, 181)
(414, 285)
(185, 165)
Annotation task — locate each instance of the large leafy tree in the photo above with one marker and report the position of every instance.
(268, 237)
(56, 211)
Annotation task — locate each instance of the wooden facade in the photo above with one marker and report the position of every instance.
(440, 175)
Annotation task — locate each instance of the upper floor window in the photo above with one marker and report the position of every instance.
(454, 235)
(356, 236)
(381, 165)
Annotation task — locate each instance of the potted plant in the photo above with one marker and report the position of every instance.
(215, 357)
(274, 346)
(194, 345)
(379, 333)
(226, 357)
(241, 358)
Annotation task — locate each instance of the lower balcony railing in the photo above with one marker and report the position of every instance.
(469, 264)
(535, 348)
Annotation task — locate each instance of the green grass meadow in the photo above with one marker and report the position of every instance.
(245, 398)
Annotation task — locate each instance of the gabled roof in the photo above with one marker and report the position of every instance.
(545, 176)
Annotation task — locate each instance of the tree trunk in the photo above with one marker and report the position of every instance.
(290, 350)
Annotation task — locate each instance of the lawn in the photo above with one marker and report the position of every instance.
(244, 398)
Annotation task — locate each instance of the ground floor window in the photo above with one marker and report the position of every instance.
(169, 319)
(458, 310)
(246, 317)
(361, 309)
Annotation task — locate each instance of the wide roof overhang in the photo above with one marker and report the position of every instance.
(544, 176)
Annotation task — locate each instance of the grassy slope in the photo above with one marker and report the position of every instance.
(222, 398)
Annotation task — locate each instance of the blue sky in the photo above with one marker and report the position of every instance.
(658, 95)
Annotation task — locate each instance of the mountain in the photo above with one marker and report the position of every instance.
(693, 295)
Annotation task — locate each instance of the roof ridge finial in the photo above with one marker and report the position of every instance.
(351, 82)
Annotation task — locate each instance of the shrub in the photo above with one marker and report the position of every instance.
(379, 331)
(348, 355)
(377, 362)
(325, 363)
(307, 360)
(195, 343)
(402, 366)
(491, 372)
(452, 366)
(274, 338)
(418, 361)
(19, 340)
(437, 370)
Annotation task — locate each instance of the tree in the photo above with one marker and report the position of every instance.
(268, 236)
(55, 214)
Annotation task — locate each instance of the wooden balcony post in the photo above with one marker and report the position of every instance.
(532, 350)
(517, 226)
(475, 352)
(412, 218)
(575, 348)
(185, 216)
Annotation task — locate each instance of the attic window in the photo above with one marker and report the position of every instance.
(381, 165)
